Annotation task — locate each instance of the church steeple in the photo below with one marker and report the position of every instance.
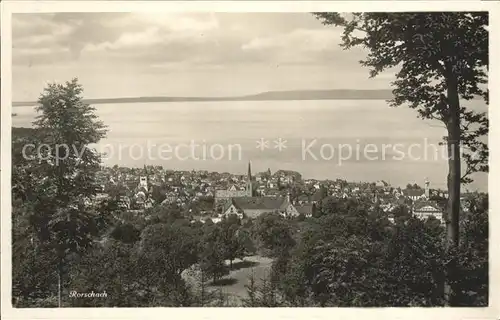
(249, 171)
(427, 191)
(144, 179)
(249, 180)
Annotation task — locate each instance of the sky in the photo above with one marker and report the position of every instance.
(182, 54)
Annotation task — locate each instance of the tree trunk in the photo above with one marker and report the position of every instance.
(454, 177)
(59, 287)
(202, 289)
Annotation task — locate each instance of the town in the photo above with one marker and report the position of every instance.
(204, 195)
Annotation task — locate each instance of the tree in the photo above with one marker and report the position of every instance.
(413, 263)
(229, 238)
(413, 186)
(401, 211)
(24, 169)
(213, 252)
(172, 248)
(126, 233)
(472, 272)
(252, 292)
(33, 277)
(198, 282)
(353, 256)
(164, 214)
(158, 194)
(274, 233)
(442, 59)
(264, 294)
(165, 251)
(246, 247)
(65, 170)
(111, 268)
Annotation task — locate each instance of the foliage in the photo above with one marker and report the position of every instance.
(126, 233)
(264, 294)
(273, 233)
(164, 214)
(213, 253)
(338, 261)
(169, 248)
(59, 179)
(442, 60)
(413, 186)
(246, 246)
(472, 255)
(229, 238)
(203, 294)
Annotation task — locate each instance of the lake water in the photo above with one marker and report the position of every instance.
(360, 140)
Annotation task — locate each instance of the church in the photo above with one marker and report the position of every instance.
(223, 196)
(244, 204)
(143, 191)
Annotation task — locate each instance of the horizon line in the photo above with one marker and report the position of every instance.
(263, 96)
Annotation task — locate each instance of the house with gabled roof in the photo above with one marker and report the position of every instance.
(303, 198)
(306, 209)
(252, 207)
(426, 209)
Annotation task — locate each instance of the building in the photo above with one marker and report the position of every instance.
(426, 190)
(148, 203)
(426, 209)
(306, 209)
(124, 202)
(418, 194)
(226, 195)
(143, 183)
(414, 194)
(232, 208)
(252, 207)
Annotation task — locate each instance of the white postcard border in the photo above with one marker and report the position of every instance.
(9, 7)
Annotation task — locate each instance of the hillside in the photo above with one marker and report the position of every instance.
(340, 94)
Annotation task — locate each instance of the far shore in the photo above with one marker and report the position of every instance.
(339, 94)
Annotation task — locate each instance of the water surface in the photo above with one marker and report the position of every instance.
(152, 127)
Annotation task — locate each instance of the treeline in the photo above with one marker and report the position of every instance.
(352, 256)
(155, 259)
(347, 256)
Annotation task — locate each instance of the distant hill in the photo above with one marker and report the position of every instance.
(339, 94)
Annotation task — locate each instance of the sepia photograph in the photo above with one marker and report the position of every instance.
(248, 159)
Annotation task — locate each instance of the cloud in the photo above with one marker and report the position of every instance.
(148, 37)
(53, 31)
(172, 39)
(300, 46)
(299, 39)
(127, 54)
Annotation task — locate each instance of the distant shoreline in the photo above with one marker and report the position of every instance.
(299, 95)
